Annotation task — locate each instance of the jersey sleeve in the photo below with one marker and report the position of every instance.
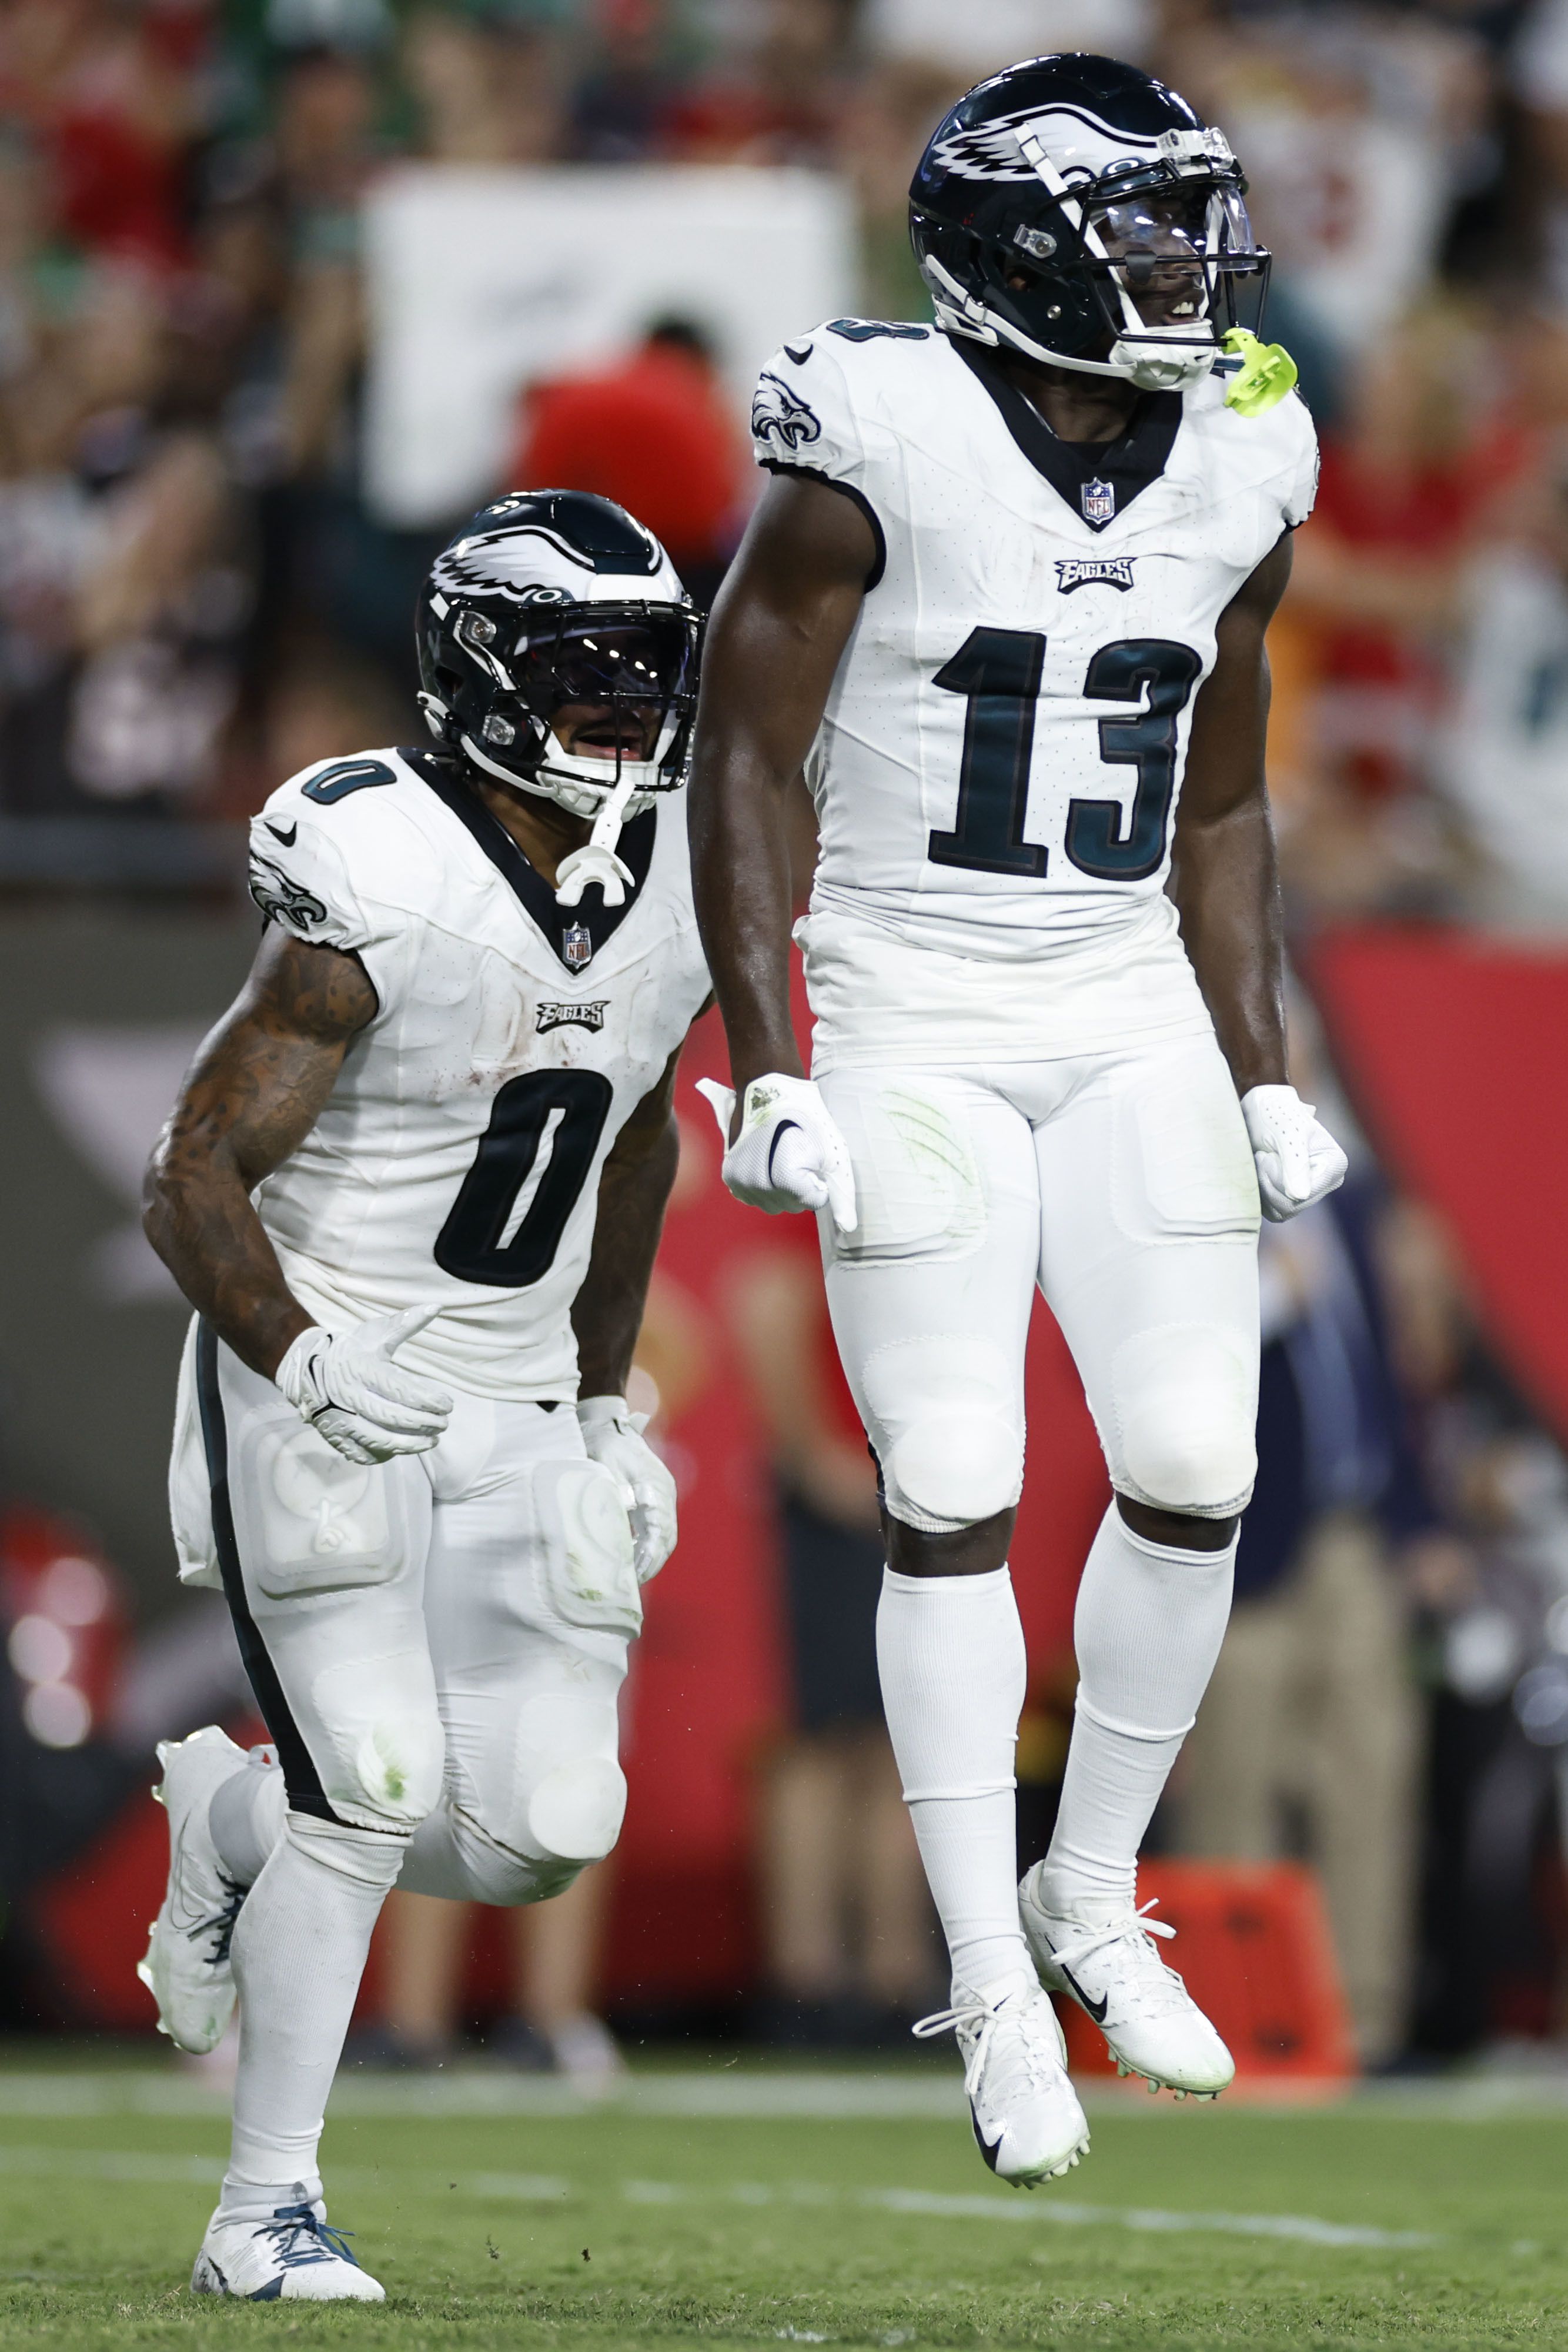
(803, 417)
(303, 877)
(1300, 488)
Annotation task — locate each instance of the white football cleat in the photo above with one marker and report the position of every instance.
(1151, 2022)
(293, 2254)
(187, 1969)
(1028, 2126)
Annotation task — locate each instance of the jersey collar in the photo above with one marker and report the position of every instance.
(568, 930)
(1085, 475)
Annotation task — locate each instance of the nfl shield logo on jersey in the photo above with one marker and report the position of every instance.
(576, 945)
(1099, 501)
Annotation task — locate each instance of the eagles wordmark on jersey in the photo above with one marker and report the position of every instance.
(414, 1184)
(1001, 756)
(1048, 1053)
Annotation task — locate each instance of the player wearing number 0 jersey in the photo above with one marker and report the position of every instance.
(414, 1187)
(1003, 601)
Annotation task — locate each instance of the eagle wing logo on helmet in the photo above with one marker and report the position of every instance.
(987, 151)
(779, 415)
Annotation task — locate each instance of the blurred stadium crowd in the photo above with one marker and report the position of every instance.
(195, 599)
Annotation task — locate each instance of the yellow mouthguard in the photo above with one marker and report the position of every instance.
(1266, 374)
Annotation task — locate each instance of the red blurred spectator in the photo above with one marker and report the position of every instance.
(109, 96)
(655, 433)
(1408, 484)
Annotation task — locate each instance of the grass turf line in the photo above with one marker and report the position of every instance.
(871, 2233)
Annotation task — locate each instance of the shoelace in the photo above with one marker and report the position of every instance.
(303, 2237)
(221, 1924)
(985, 2021)
(1140, 1929)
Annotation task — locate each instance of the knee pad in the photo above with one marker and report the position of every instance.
(953, 1473)
(575, 1813)
(948, 1428)
(388, 1748)
(569, 1819)
(555, 1796)
(1186, 1402)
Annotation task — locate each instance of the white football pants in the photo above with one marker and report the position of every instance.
(437, 1642)
(1123, 1184)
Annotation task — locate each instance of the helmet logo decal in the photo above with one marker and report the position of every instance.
(779, 415)
(991, 151)
(1097, 500)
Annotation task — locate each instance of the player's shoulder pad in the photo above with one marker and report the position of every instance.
(338, 839)
(1274, 449)
(817, 394)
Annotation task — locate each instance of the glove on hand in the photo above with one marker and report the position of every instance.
(347, 1387)
(1297, 1162)
(614, 1437)
(789, 1153)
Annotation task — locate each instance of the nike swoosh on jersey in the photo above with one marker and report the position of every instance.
(278, 834)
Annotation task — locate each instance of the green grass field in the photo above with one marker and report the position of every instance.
(728, 2206)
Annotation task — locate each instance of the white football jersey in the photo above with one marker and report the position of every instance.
(998, 770)
(458, 1157)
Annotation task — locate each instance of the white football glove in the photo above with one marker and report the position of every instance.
(789, 1153)
(614, 1435)
(345, 1386)
(1297, 1162)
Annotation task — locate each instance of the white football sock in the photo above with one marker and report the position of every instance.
(950, 1653)
(1148, 1629)
(299, 1953)
(246, 1814)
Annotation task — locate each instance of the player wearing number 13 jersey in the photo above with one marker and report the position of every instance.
(1003, 601)
(413, 1186)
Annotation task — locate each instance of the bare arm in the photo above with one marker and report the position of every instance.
(255, 1090)
(1224, 877)
(782, 622)
(633, 1188)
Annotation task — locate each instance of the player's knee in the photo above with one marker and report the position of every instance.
(575, 1813)
(953, 1472)
(552, 1831)
(1186, 1427)
(943, 1414)
(388, 1748)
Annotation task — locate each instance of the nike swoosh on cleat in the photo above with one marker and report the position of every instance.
(277, 833)
(1096, 2008)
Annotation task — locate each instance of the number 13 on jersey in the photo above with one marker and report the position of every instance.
(999, 671)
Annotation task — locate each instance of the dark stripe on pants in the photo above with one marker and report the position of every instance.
(301, 1777)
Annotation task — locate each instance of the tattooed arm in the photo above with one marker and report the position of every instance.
(607, 1314)
(254, 1093)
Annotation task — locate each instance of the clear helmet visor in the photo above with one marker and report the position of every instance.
(1169, 248)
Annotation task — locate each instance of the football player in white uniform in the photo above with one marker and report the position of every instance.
(1004, 601)
(412, 1187)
